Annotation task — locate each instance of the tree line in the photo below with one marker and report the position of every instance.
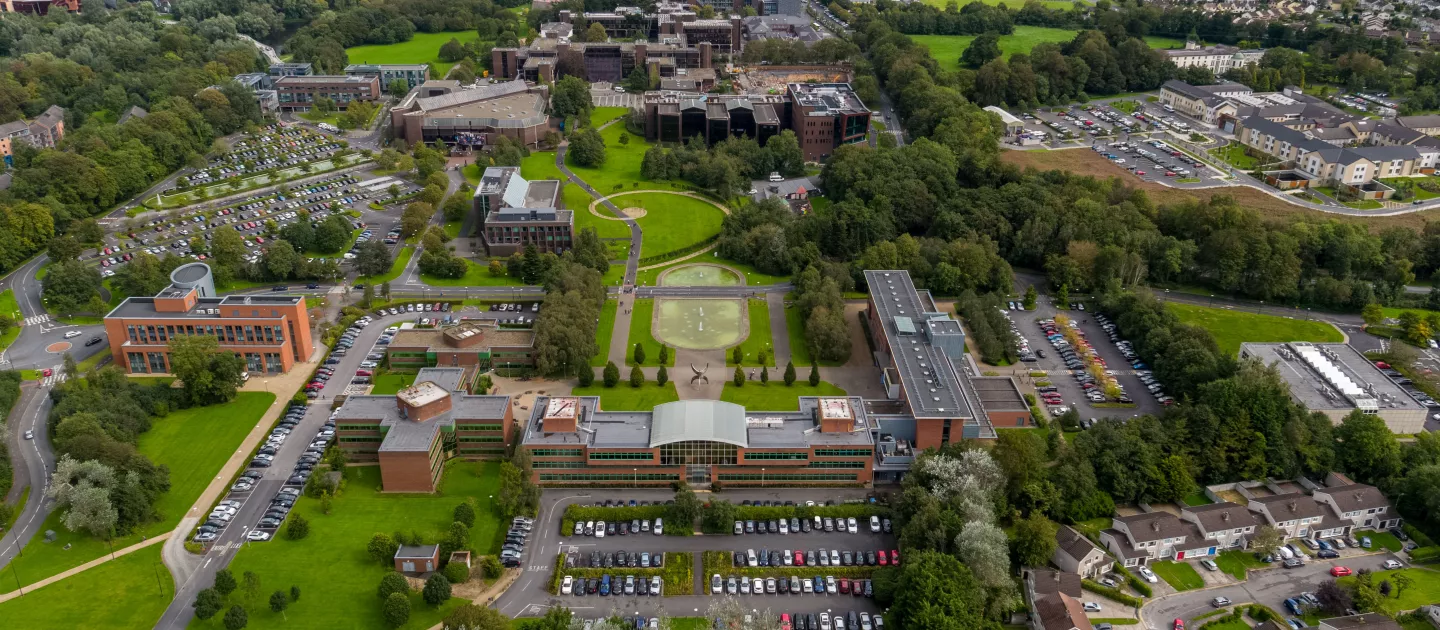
(324, 38)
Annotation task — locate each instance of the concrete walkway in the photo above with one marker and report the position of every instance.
(181, 563)
(779, 332)
(620, 336)
(632, 262)
(84, 567)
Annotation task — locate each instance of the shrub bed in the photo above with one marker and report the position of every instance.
(678, 573)
(1112, 593)
(722, 562)
(1141, 586)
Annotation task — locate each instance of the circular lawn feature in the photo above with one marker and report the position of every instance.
(700, 275)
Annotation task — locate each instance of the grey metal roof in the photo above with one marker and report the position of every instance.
(699, 420)
(470, 96)
(934, 387)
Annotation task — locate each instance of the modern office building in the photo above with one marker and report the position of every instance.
(515, 212)
(278, 70)
(572, 441)
(413, 432)
(299, 92)
(477, 345)
(543, 60)
(1336, 380)
(271, 332)
(443, 110)
(919, 346)
(413, 74)
(823, 116)
(826, 116)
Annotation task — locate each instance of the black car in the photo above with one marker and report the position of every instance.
(870, 558)
(279, 288)
(1327, 553)
(259, 463)
(312, 285)
(269, 523)
(805, 526)
(885, 525)
(93, 341)
(610, 528)
(739, 558)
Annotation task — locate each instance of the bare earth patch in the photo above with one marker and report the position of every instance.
(633, 213)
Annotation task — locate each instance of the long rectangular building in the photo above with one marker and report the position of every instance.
(1336, 380)
(300, 92)
(443, 110)
(824, 116)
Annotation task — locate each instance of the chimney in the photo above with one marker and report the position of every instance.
(1225, 516)
(1155, 525)
(1294, 505)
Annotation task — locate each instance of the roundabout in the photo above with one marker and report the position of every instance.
(59, 347)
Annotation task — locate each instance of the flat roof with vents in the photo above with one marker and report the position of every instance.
(1332, 376)
(932, 383)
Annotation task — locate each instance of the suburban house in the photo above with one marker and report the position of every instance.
(1224, 524)
(1364, 507)
(1293, 513)
(1074, 553)
(1319, 162)
(417, 558)
(1428, 125)
(1054, 600)
(1140, 538)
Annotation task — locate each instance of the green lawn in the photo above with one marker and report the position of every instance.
(602, 115)
(641, 333)
(476, 275)
(1420, 193)
(621, 169)
(623, 397)
(603, 332)
(1236, 562)
(775, 396)
(1197, 498)
(1232, 327)
(672, 222)
(194, 443)
(1179, 575)
(422, 48)
(799, 352)
(541, 165)
(337, 578)
(1382, 539)
(131, 591)
(753, 277)
(1063, 5)
(946, 49)
(391, 382)
(1424, 588)
(396, 266)
(759, 337)
(9, 307)
(1234, 154)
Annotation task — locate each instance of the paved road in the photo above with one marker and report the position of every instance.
(38, 460)
(1269, 587)
(255, 502)
(529, 596)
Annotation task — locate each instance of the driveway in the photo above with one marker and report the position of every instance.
(530, 597)
(1266, 586)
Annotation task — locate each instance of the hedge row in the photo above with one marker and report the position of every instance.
(1141, 586)
(722, 563)
(1112, 593)
(678, 573)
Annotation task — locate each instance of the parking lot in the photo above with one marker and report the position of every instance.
(1154, 160)
(531, 594)
(1061, 377)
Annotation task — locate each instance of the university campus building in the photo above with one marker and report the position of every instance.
(299, 92)
(516, 212)
(271, 332)
(445, 110)
(413, 432)
(823, 116)
(475, 344)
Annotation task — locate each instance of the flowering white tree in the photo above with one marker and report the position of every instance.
(982, 546)
(84, 488)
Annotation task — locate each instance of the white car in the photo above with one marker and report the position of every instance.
(659, 528)
(1149, 575)
(874, 524)
(72, 334)
(851, 526)
(567, 585)
(599, 529)
(1393, 564)
(1092, 607)
(257, 536)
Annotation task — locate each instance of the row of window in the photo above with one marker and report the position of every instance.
(460, 426)
(771, 455)
(647, 456)
(843, 452)
(609, 477)
(358, 427)
(789, 477)
(481, 438)
(557, 452)
(482, 451)
(147, 334)
(347, 438)
(838, 464)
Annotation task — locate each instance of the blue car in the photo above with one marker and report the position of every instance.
(605, 585)
(819, 584)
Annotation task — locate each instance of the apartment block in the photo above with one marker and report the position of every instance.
(299, 93)
(271, 332)
(44, 131)
(1203, 102)
(1219, 59)
(413, 74)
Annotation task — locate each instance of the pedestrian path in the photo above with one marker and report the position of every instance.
(57, 376)
(84, 567)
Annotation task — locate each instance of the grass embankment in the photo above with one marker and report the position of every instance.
(1232, 327)
(337, 578)
(9, 307)
(396, 267)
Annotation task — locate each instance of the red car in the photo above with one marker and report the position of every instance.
(46, 372)
(883, 558)
(368, 373)
(799, 558)
(1139, 172)
(895, 557)
(844, 586)
(1169, 173)
(1340, 571)
(1179, 624)
(1382, 365)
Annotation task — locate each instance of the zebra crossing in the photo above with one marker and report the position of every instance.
(57, 376)
(36, 320)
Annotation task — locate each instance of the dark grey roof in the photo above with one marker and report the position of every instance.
(405, 436)
(51, 116)
(1419, 122)
(1126, 551)
(1073, 543)
(1385, 154)
(1290, 506)
(1397, 133)
(416, 552)
(1154, 526)
(1203, 91)
(1047, 581)
(1223, 516)
(932, 383)
(1367, 621)
(1356, 497)
(447, 378)
(1285, 134)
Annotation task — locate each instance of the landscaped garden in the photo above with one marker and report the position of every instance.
(391, 382)
(1424, 588)
(422, 48)
(541, 165)
(1231, 327)
(758, 339)
(753, 277)
(396, 267)
(775, 396)
(1234, 154)
(672, 222)
(623, 397)
(336, 575)
(603, 332)
(476, 275)
(194, 443)
(795, 329)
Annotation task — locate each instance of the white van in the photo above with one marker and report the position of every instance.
(1285, 553)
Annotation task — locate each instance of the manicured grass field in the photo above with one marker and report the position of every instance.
(622, 162)
(1232, 327)
(1179, 575)
(1424, 588)
(396, 267)
(775, 396)
(422, 48)
(799, 352)
(194, 443)
(477, 275)
(623, 397)
(337, 578)
(1234, 154)
(947, 49)
(1062, 5)
(603, 332)
(1236, 562)
(131, 591)
(641, 333)
(672, 222)
(10, 308)
(390, 383)
(541, 165)
(758, 339)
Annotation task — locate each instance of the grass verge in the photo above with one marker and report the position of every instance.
(603, 332)
(758, 339)
(131, 591)
(642, 333)
(1232, 327)
(623, 397)
(775, 396)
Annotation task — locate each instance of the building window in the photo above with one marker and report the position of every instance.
(788, 477)
(773, 455)
(137, 363)
(843, 452)
(481, 438)
(609, 477)
(157, 362)
(646, 456)
(557, 452)
(699, 452)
